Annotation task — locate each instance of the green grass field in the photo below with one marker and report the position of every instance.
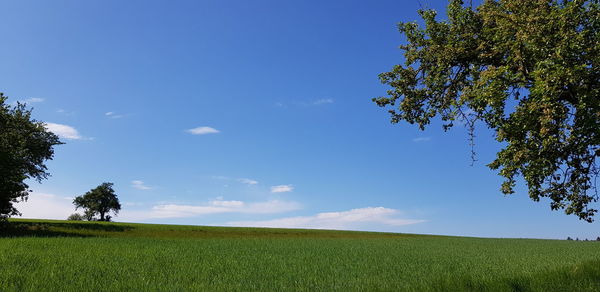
(38, 255)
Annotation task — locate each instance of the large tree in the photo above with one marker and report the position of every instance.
(528, 70)
(25, 145)
(99, 201)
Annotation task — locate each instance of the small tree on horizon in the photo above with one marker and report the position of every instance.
(98, 201)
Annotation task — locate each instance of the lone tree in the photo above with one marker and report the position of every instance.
(25, 145)
(98, 201)
(528, 70)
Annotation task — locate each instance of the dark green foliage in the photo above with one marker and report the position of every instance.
(528, 70)
(98, 201)
(25, 145)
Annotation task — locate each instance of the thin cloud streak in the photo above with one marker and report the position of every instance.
(355, 219)
(33, 100)
(282, 188)
(318, 102)
(323, 101)
(28, 101)
(202, 131)
(138, 184)
(421, 139)
(213, 207)
(113, 115)
(247, 181)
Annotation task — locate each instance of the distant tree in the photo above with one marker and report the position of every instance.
(569, 238)
(598, 238)
(529, 71)
(75, 217)
(25, 145)
(98, 201)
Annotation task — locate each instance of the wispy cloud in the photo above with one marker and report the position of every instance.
(33, 100)
(219, 202)
(218, 206)
(138, 184)
(64, 131)
(355, 219)
(322, 101)
(306, 103)
(247, 181)
(114, 115)
(202, 131)
(65, 112)
(282, 188)
(421, 139)
(28, 100)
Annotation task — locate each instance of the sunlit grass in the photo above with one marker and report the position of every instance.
(75, 256)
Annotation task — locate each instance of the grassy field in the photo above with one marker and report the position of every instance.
(38, 255)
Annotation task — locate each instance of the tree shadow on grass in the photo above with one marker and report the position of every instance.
(24, 232)
(58, 229)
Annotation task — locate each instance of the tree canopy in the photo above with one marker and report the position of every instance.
(98, 201)
(528, 70)
(25, 145)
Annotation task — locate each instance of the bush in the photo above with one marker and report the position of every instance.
(75, 217)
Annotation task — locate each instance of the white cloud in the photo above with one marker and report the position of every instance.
(322, 101)
(138, 184)
(28, 101)
(282, 188)
(240, 180)
(64, 131)
(46, 206)
(247, 181)
(306, 103)
(223, 203)
(65, 112)
(113, 115)
(33, 100)
(202, 131)
(421, 139)
(133, 204)
(217, 206)
(355, 219)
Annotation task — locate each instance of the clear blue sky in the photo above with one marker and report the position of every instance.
(248, 113)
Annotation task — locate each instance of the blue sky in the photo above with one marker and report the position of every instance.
(248, 113)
